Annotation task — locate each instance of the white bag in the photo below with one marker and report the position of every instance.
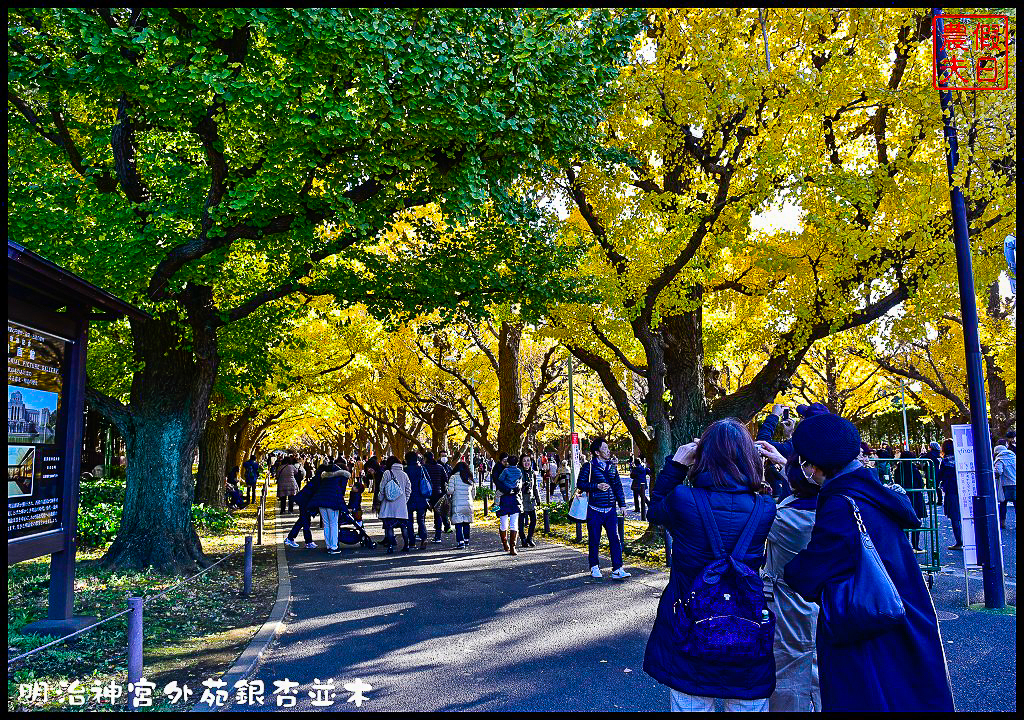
(578, 509)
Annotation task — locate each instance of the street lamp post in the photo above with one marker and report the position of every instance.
(990, 549)
(906, 432)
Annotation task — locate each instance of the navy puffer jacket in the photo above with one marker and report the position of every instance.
(673, 506)
(593, 474)
(438, 480)
(329, 491)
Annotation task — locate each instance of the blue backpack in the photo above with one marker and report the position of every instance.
(725, 618)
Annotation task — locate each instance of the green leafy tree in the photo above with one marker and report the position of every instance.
(207, 163)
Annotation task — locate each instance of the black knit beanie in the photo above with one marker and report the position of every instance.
(828, 441)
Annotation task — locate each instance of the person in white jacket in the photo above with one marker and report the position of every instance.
(460, 488)
(394, 510)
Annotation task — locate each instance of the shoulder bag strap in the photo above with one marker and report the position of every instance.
(747, 534)
(708, 521)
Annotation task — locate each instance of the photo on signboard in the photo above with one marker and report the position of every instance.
(31, 416)
(21, 460)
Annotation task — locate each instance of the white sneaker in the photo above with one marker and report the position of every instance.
(620, 574)
(311, 546)
(290, 543)
(595, 572)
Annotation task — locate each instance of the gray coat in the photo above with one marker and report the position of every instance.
(531, 496)
(796, 661)
(397, 508)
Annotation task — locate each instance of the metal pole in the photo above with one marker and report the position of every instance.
(903, 402)
(572, 429)
(259, 523)
(579, 530)
(134, 646)
(472, 412)
(629, 387)
(247, 572)
(990, 549)
(547, 521)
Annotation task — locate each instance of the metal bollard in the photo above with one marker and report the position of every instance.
(259, 524)
(247, 572)
(622, 531)
(668, 547)
(579, 531)
(547, 521)
(134, 646)
(486, 505)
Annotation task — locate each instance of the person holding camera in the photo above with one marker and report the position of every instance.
(712, 499)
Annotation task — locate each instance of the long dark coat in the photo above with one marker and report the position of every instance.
(903, 669)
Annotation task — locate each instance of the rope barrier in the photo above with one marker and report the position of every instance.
(123, 612)
(67, 637)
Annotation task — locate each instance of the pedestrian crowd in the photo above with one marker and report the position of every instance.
(794, 584)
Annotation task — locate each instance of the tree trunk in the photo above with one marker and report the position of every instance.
(510, 396)
(213, 457)
(161, 426)
(683, 342)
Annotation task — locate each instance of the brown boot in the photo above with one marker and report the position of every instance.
(512, 542)
(504, 539)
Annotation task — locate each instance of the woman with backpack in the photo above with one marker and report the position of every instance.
(796, 659)
(393, 501)
(460, 488)
(708, 496)
(508, 484)
(885, 655)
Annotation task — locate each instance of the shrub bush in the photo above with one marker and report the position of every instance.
(99, 513)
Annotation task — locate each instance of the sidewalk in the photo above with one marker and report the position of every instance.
(447, 629)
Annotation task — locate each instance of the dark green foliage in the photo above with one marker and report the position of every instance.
(99, 513)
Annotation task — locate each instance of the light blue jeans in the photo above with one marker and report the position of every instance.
(329, 516)
(681, 702)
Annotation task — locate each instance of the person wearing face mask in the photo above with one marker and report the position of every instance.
(859, 674)
(796, 658)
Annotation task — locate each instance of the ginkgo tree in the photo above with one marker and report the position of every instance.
(844, 129)
(207, 162)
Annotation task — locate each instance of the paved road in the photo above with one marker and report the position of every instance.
(443, 629)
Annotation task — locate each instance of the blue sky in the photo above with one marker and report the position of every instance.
(34, 398)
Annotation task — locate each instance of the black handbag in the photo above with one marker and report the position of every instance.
(867, 603)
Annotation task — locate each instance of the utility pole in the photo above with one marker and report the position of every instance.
(627, 381)
(903, 402)
(990, 549)
(574, 443)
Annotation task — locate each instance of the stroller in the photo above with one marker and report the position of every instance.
(354, 534)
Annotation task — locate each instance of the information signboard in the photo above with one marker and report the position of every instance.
(36, 363)
(967, 483)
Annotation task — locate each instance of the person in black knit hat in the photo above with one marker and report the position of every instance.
(857, 676)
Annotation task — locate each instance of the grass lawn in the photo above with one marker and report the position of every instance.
(194, 633)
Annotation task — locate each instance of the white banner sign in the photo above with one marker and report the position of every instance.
(967, 482)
